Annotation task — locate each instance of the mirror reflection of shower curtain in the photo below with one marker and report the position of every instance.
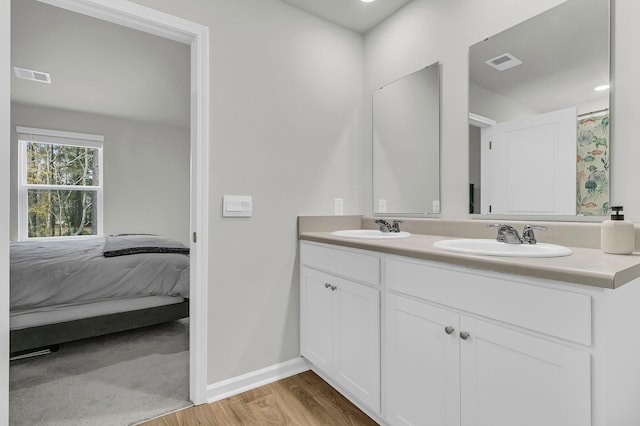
(592, 188)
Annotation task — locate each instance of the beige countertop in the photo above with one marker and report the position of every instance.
(586, 266)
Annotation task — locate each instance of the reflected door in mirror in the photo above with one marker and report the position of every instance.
(526, 165)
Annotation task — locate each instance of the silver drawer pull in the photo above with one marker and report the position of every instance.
(464, 335)
(333, 288)
(327, 285)
(449, 330)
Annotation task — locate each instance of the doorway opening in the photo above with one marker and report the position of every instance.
(196, 37)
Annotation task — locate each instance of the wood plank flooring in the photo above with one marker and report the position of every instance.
(303, 399)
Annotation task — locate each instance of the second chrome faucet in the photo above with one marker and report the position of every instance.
(388, 227)
(508, 234)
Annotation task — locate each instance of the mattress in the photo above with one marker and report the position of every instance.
(33, 317)
(49, 273)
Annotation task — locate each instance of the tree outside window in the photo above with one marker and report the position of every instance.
(61, 192)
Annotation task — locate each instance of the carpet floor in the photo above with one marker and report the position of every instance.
(120, 379)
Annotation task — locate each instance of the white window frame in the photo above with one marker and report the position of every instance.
(30, 134)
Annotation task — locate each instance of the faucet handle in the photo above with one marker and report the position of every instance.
(538, 227)
(527, 233)
(396, 225)
(384, 225)
(506, 233)
(501, 228)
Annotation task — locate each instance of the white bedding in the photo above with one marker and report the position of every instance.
(58, 272)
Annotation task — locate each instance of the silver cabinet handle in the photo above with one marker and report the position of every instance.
(449, 330)
(327, 285)
(464, 335)
(333, 288)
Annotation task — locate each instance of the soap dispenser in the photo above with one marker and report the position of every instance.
(617, 236)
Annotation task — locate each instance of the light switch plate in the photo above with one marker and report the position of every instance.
(338, 206)
(237, 206)
(382, 206)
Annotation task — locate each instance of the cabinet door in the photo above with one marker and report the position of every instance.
(357, 340)
(422, 364)
(511, 378)
(316, 318)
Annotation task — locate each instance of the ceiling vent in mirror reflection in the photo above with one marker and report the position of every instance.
(504, 62)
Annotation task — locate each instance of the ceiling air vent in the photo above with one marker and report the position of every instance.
(42, 77)
(504, 62)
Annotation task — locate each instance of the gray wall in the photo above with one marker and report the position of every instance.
(286, 95)
(146, 169)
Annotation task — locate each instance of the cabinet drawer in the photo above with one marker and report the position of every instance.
(357, 266)
(516, 300)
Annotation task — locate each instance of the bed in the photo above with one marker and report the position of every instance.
(65, 290)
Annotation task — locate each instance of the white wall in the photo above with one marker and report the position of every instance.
(286, 114)
(146, 169)
(5, 90)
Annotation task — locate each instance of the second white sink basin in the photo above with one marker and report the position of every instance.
(370, 233)
(496, 248)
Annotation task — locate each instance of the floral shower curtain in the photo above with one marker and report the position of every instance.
(593, 166)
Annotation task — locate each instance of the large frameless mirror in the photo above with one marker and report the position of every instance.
(539, 115)
(406, 145)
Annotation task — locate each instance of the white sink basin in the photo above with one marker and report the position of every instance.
(497, 248)
(370, 233)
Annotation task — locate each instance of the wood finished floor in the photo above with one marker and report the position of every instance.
(303, 399)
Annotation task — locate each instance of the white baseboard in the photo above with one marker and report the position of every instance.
(236, 385)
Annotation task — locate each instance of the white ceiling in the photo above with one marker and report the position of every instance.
(352, 14)
(98, 67)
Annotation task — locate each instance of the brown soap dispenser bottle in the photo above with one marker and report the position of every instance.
(617, 236)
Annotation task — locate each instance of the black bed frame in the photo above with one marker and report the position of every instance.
(51, 335)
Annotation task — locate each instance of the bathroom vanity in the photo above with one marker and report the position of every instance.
(414, 335)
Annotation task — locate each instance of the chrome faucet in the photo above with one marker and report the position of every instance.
(506, 234)
(528, 237)
(388, 227)
(509, 234)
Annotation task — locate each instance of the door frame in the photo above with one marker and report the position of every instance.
(151, 21)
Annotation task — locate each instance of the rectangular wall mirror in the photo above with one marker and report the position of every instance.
(539, 115)
(406, 145)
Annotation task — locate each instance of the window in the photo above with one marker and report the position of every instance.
(60, 184)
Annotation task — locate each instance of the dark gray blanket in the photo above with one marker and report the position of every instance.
(122, 245)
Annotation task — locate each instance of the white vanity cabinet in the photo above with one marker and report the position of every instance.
(420, 342)
(467, 348)
(340, 319)
(422, 363)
